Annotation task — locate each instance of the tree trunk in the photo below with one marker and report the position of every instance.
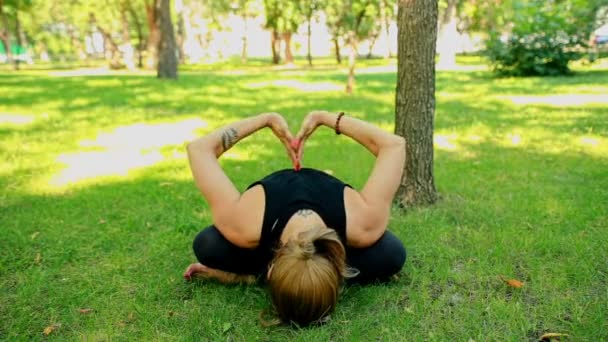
(352, 57)
(337, 50)
(308, 36)
(5, 34)
(140, 35)
(288, 53)
(128, 55)
(415, 99)
(167, 58)
(244, 47)
(372, 43)
(153, 35)
(275, 44)
(113, 57)
(18, 35)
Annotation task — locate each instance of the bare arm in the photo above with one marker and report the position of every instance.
(216, 187)
(383, 182)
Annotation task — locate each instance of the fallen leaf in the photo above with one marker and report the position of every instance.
(48, 330)
(226, 327)
(550, 336)
(512, 282)
(33, 236)
(85, 311)
(171, 313)
(102, 221)
(37, 258)
(515, 283)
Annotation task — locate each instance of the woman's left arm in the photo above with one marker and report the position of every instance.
(216, 187)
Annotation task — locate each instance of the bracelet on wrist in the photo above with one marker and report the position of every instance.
(337, 126)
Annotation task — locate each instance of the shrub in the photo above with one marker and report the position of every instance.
(541, 37)
(533, 54)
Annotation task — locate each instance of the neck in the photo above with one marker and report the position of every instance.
(292, 232)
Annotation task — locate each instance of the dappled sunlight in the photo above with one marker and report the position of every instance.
(83, 165)
(146, 136)
(514, 138)
(126, 148)
(558, 100)
(445, 142)
(594, 145)
(15, 119)
(589, 141)
(298, 85)
(102, 71)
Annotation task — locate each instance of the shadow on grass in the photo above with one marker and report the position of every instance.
(129, 235)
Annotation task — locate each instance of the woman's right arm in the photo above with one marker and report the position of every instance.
(383, 182)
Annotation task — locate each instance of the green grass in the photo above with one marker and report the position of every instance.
(523, 179)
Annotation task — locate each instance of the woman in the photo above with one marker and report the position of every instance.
(300, 227)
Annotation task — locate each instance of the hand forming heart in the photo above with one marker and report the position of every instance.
(294, 146)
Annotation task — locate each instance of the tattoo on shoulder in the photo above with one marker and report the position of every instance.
(229, 137)
(304, 212)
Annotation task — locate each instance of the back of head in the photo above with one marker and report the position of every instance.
(306, 276)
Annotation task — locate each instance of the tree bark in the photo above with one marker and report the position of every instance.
(153, 35)
(288, 53)
(415, 99)
(167, 57)
(275, 44)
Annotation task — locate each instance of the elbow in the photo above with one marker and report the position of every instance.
(399, 141)
(197, 146)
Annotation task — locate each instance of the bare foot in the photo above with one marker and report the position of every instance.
(197, 269)
(201, 271)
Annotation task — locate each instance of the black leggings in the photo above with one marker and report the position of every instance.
(375, 263)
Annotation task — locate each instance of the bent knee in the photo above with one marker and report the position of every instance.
(206, 243)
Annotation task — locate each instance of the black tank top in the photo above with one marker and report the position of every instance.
(288, 191)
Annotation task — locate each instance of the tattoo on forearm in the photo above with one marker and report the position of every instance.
(229, 137)
(304, 212)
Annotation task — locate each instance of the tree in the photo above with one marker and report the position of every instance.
(5, 32)
(152, 19)
(167, 57)
(308, 8)
(353, 21)
(282, 17)
(415, 98)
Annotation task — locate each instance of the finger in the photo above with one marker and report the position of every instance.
(291, 153)
(295, 144)
(301, 149)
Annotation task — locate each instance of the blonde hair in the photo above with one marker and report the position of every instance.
(306, 276)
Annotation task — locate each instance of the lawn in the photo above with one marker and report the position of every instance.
(98, 209)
